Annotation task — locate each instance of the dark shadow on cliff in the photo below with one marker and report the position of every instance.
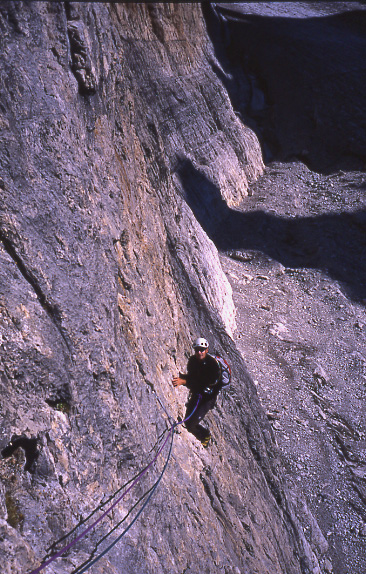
(299, 83)
(334, 243)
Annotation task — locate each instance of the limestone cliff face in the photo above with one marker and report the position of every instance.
(111, 115)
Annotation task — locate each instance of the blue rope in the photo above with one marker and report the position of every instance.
(106, 550)
(139, 476)
(95, 560)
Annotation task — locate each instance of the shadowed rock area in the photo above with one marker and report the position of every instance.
(303, 87)
(294, 250)
(136, 213)
(106, 277)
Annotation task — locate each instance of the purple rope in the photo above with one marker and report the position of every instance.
(87, 530)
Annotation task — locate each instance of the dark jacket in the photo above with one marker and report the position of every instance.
(203, 374)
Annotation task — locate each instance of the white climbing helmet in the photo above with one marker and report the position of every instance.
(200, 342)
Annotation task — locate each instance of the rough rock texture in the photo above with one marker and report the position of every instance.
(303, 337)
(294, 250)
(108, 112)
(303, 89)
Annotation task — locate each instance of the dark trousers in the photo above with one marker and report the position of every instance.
(192, 424)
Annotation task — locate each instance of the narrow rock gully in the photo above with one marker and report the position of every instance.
(294, 250)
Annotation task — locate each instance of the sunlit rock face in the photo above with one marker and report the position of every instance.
(114, 126)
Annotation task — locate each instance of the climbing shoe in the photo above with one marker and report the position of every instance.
(205, 441)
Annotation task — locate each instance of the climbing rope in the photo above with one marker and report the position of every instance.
(139, 476)
(162, 406)
(106, 550)
(87, 563)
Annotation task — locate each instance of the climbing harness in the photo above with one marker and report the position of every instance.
(135, 481)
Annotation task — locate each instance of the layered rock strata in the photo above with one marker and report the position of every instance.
(113, 121)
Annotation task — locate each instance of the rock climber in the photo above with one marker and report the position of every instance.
(203, 379)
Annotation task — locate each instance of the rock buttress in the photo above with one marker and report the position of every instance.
(113, 123)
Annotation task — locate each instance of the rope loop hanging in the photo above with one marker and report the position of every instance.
(110, 508)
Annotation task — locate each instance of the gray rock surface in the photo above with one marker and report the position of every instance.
(109, 114)
(303, 90)
(295, 251)
(303, 337)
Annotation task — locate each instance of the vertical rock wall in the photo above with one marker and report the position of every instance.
(105, 278)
